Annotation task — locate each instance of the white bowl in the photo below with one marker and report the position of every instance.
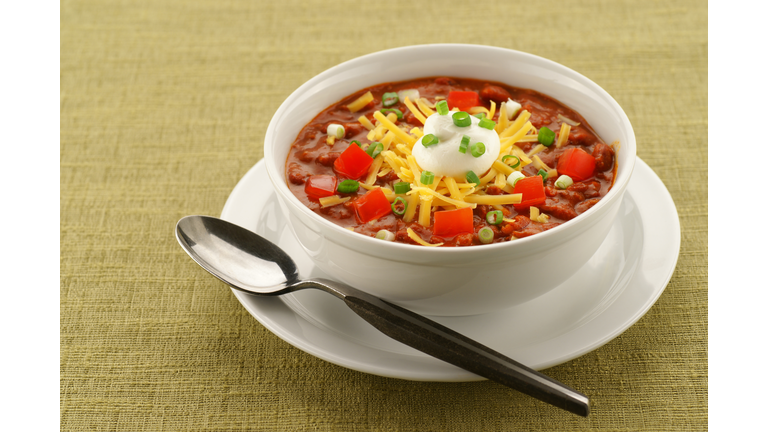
(458, 280)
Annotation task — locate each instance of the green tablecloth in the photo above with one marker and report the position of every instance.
(164, 107)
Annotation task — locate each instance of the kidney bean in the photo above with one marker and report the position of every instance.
(586, 205)
(562, 211)
(548, 158)
(337, 211)
(493, 190)
(390, 177)
(573, 197)
(296, 175)
(550, 191)
(588, 189)
(306, 156)
(327, 159)
(352, 129)
(519, 223)
(577, 187)
(580, 136)
(603, 155)
(496, 231)
(593, 189)
(310, 133)
(402, 236)
(465, 239)
(482, 210)
(495, 93)
(528, 231)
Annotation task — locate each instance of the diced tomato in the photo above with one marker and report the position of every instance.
(353, 162)
(319, 186)
(463, 100)
(577, 164)
(372, 205)
(532, 189)
(449, 223)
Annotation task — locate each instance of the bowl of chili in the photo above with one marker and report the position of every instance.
(462, 276)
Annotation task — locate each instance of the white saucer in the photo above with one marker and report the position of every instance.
(609, 294)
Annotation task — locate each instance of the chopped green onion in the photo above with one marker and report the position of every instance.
(473, 178)
(374, 149)
(461, 119)
(389, 99)
(512, 108)
(514, 177)
(348, 186)
(411, 94)
(487, 123)
(485, 235)
(477, 149)
(394, 110)
(442, 107)
(385, 235)
(427, 177)
(546, 136)
(480, 115)
(563, 182)
(399, 209)
(543, 175)
(402, 187)
(428, 140)
(516, 161)
(356, 142)
(464, 144)
(336, 130)
(494, 217)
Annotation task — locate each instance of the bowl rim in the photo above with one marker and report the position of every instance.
(394, 248)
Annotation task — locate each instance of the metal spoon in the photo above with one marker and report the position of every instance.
(248, 262)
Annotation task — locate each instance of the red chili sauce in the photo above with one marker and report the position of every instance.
(310, 155)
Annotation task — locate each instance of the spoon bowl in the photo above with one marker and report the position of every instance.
(237, 257)
(248, 262)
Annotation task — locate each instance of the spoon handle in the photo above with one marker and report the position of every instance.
(445, 344)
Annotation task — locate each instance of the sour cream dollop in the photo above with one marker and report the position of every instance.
(444, 158)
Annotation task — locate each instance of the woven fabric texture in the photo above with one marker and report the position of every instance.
(164, 107)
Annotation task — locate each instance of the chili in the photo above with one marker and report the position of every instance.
(312, 164)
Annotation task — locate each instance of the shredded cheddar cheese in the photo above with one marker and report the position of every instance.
(562, 138)
(393, 128)
(424, 107)
(501, 180)
(535, 150)
(534, 213)
(412, 234)
(494, 199)
(366, 123)
(410, 211)
(360, 102)
(537, 216)
(503, 120)
(332, 200)
(478, 110)
(416, 113)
